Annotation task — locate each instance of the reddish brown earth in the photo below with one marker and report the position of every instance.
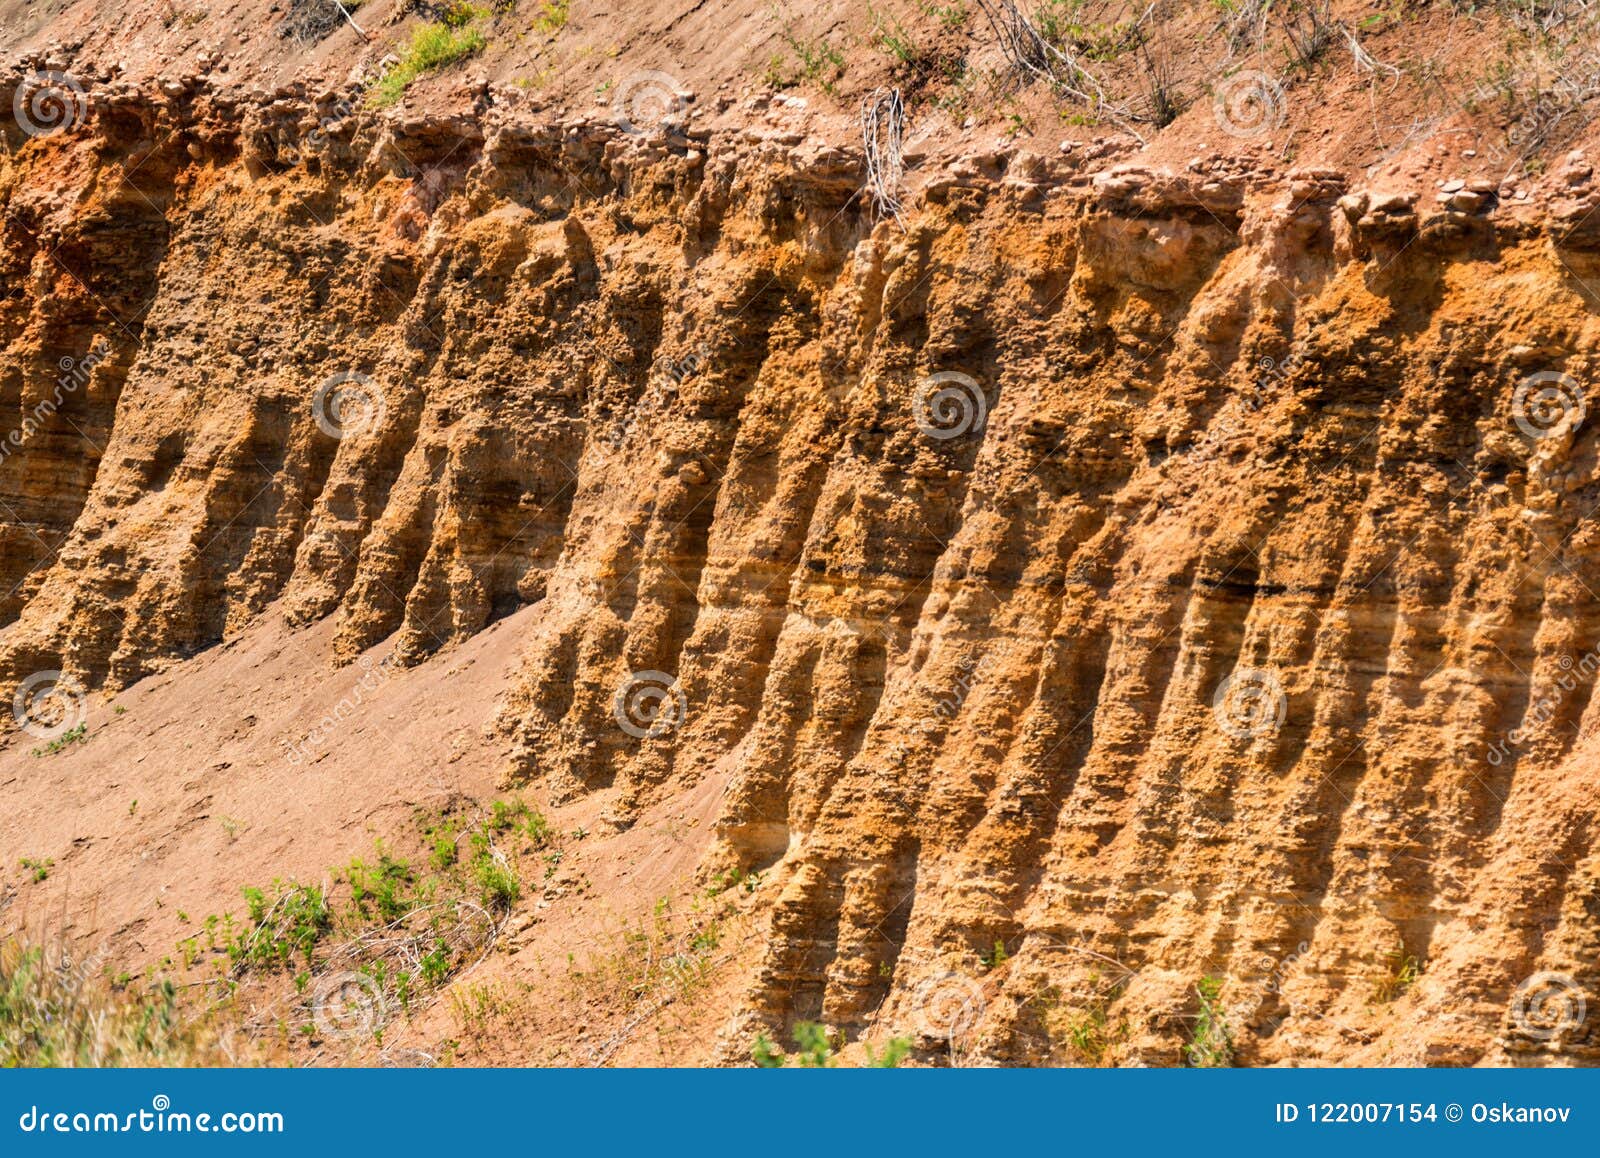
(1225, 620)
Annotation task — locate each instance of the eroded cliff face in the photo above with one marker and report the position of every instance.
(1223, 609)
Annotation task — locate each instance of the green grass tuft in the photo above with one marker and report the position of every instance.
(432, 47)
(1211, 1044)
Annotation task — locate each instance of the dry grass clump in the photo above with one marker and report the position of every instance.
(58, 1010)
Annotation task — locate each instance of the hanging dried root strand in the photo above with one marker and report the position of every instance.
(883, 126)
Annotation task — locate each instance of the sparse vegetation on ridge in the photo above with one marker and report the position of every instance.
(399, 931)
(432, 47)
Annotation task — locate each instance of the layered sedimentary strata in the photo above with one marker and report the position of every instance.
(1100, 583)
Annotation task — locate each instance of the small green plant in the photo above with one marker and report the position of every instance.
(73, 735)
(723, 881)
(492, 871)
(895, 1052)
(996, 958)
(435, 966)
(381, 890)
(1061, 23)
(37, 867)
(815, 1045)
(286, 923)
(515, 816)
(819, 63)
(733, 878)
(552, 16)
(432, 47)
(766, 1055)
(950, 16)
(460, 13)
(537, 829)
(1086, 1036)
(774, 74)
(496, 882)
(1211, 1043)
(504, 814)
(1403, 971)
(1086, 1028)
(445, 853)
(894, 39)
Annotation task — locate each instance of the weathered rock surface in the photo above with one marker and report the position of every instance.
(961, 641)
